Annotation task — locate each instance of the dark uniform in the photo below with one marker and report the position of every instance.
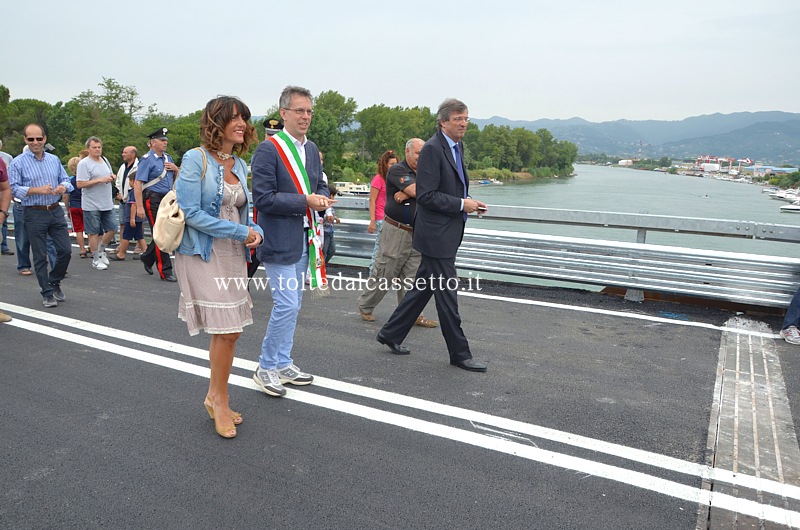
(271, 126)
(151, 167)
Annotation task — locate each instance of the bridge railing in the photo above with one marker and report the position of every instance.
(745, 278)
(636, 266)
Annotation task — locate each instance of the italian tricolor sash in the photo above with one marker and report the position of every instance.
(291, 159)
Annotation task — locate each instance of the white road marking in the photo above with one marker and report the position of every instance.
(523, 450)
(581, 309)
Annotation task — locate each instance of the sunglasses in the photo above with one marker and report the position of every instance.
(37, 139)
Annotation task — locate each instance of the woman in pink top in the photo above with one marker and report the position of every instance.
(377, 197)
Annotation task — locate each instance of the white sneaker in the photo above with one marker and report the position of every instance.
(269, 381)
(104, 259)
(292, 375)
(791, 335)
(99, 265)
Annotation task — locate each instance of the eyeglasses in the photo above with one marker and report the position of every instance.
(300, 112)
(30, 139)
(459, 119)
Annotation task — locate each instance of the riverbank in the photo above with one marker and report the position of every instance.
(505, 175)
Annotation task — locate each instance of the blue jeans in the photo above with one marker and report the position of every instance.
(378, 225)
(24, 245)
(286, 283)
(329, 246)
(4, 242)
(39, 224)
(792, 317)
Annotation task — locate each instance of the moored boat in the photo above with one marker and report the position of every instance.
(791, 208)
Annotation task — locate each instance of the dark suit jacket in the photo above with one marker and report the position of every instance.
(439, 224)
(280, 207)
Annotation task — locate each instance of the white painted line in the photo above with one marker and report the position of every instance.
(583, 442)
(608, 312)
(620, 314)
(624, 476)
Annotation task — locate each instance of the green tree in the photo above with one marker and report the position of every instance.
(108, 115)
(382, 128)
(21, 112)
(527, 148)
(325, 132)
(547, 149)
(342, 109)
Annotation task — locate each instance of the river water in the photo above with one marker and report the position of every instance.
(613, 189)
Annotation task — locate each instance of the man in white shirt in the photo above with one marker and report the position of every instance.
(126, 171)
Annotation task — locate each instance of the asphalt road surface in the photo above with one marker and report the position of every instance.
(594, 413)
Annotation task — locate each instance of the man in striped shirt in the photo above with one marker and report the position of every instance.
(38, 179)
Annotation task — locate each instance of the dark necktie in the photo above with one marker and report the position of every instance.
(460, 169)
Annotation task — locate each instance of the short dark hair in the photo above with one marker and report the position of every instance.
(291, 90)
(449, 106)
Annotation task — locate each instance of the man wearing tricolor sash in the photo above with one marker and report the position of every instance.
(287, 191)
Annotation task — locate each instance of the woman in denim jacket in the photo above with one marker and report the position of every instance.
(211, 261)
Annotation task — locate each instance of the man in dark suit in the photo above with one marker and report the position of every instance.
(287, 188)
(442, 207)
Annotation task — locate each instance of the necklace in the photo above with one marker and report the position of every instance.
(224, 156)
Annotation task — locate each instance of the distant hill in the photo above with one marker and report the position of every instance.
(771, 137)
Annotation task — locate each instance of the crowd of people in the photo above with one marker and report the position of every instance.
(418, 210)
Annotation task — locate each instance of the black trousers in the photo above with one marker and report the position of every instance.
(153, 254)
(435, 277)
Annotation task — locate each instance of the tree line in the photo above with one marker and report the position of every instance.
(351, 139)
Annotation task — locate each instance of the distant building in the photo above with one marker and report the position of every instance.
(762, 171)
(625, 163)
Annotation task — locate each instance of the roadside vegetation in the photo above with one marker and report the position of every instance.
(351, 139)
(792, 180)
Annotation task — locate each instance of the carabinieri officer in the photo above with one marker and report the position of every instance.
(154, 180)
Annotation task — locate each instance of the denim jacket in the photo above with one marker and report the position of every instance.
(201, 200)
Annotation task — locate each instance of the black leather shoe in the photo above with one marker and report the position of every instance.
(471, 365)
(397, 349)
(148, 269)
(8, 252)
(114, 257)
(169, 278)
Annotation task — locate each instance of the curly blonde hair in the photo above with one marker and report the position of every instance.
(72, 165)
(217, 115)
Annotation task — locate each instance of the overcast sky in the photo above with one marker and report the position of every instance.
(524, 60)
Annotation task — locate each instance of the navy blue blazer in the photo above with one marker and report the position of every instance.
(280, 207)
(439, 224)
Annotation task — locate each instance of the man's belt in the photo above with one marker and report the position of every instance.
(401, 226)
(48, 208)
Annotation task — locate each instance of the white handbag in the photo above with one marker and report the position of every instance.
(170, 222)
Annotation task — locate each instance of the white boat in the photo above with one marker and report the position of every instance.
(789, 195)
(352, 189)
(487, 182)
(791, 208)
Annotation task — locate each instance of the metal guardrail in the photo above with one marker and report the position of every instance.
(736, 277)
